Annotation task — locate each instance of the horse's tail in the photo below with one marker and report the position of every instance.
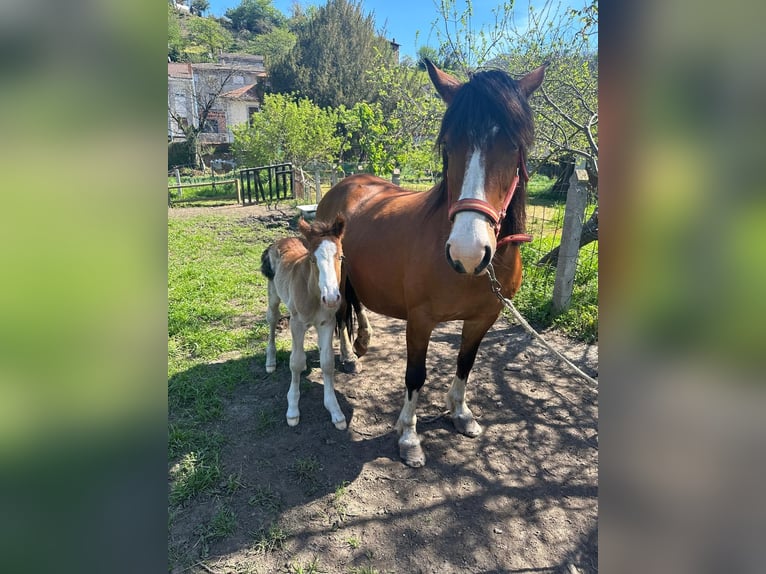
(266, 268)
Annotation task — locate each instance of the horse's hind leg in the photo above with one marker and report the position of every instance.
(363, 333)
(327, 362)
(347, 358)
(461, 415)
(297, 366)
(272, 317)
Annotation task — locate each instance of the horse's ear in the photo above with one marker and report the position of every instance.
(446, 85)
(532, 80)
(304, 227)
(339, 225)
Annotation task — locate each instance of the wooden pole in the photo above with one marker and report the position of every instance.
(318, 186)
(178, 181)
(574, 215)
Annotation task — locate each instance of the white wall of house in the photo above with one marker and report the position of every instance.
(181, 103)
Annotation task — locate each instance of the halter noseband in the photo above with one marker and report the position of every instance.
(495, 217)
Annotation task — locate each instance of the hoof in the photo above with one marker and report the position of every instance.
(361, 342)
(348, 367)
(412, 454)
(467, 426)
(271, 368)
(293, 421)
(341, 424)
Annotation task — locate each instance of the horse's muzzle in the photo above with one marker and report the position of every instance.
(331, 301)
(458, 266)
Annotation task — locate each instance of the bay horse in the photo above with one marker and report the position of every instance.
(304, 273)
(423, 256)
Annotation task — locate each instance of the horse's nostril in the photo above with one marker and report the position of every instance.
(485, 261)
(456, 265)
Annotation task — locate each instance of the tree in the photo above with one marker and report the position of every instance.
(206, 97)
(176, 42)
(272, 45)
(566, 106)
(334, 48)
(287, 129)
(207, 32)
(199, 6)
(464, 46)
(255, 16)
(412, 110)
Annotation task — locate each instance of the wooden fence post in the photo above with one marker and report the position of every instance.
(239, 192)
(178, 181)
(574, 214)
(318, 185)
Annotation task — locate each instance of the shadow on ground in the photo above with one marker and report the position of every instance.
(522, 497)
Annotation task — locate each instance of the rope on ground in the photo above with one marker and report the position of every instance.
(495, 285)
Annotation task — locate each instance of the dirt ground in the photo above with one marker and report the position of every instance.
(521, 497)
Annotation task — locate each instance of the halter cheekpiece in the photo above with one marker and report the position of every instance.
(495, 217)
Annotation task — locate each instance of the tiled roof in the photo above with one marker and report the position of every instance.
(242, 93)
(179, 70)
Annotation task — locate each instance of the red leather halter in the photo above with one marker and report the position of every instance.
(495, 217)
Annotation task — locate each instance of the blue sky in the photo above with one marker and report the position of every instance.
(409, 22)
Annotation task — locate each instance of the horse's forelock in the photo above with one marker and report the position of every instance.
(491, 98)
(319, 231)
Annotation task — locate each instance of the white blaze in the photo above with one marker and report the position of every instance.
(471, 230)
(326, 254)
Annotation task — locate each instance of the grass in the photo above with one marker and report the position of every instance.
(306, 473)
(533, 300)
(266, 420)
(266, 499)
(339, 500)
(213, 282)
(353, 542)
(194, 473)
(312, 567)
(269, 539)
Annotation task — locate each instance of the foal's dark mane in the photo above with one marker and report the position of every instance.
(490, 98)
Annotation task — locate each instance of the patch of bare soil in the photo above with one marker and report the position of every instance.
(521, 497)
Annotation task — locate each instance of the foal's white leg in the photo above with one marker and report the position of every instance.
(462, 417)
(297, 366)
(272, 316)
(327, 362)
(409, 442)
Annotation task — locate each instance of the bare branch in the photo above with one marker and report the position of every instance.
(558, 109)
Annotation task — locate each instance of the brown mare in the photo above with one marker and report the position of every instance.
(304, 274)
(423, 257)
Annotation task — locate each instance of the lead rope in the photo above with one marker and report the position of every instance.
(495, 286)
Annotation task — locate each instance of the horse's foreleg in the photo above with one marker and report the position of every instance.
(297, 366)
(272, 316)
(410, 450)
(461, 415)
(327, 362)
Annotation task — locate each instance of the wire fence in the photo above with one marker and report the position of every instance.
(545, 218)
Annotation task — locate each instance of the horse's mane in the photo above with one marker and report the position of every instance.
(490, 98)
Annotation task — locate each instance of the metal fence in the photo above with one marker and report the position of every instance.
(267, 183)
